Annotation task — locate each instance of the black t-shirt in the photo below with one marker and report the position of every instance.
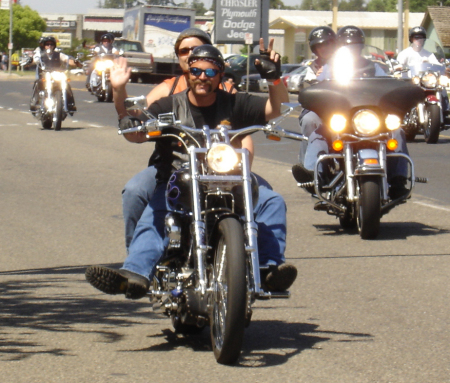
(246, 110)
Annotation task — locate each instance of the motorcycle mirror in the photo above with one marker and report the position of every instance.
(136, 103)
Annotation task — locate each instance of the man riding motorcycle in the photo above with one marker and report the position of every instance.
(105, 46)
(52, 60)
(416, 55)
(202, 103)
(320, 141)
(139, 190)
(322, 41)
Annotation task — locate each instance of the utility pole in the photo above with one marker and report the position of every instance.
(335, 12)
(10, 45)
(400, 26)
(406, 25)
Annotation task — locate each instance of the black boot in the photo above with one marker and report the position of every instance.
(304, 177)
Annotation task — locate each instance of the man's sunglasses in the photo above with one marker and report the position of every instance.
(208, 72)
(185, 51)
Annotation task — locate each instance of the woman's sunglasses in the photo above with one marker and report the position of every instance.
(185, 51)
(208, 72)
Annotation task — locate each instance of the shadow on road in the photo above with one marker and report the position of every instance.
(388, 230)
(52, 300)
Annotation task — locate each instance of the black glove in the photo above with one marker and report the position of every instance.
(29, 60)
(129, 122)
(267, 68)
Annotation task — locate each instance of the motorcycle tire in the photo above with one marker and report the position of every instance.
(58, 116)
(229, 296)
(369, 207)
(433, 126)
(108, 92)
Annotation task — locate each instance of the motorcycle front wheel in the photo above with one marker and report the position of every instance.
(229, 295)
(433, 125)
(369, 207)
(57, 117)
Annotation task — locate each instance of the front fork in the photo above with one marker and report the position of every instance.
(431, 99)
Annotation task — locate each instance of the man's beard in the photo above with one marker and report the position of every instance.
(194, 84)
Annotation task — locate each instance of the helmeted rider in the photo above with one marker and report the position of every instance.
(47, 57)
(105, 46)
(322, 42)
(415, 53)
(139, 189)
(319, 141)
(202, 103)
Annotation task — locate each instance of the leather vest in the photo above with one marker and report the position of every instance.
(51, 63)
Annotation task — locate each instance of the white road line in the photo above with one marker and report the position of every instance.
(432, 206)
(96, 126)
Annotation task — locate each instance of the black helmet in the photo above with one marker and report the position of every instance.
(320, 35)
(41, 42)
(192, 32)
(209, 53)
(107, 36)
(417, 31)
(350, 35)
(47, 39)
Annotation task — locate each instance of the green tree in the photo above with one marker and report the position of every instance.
(199, 7)
(352, 5)
(316, 5)
(382, 6)
(27, 28)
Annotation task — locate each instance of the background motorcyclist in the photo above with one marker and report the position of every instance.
(201, 104)
(104, 47)
(415, 53)
(47, 57)
(322, 41)
(320, 141)
(139, 190)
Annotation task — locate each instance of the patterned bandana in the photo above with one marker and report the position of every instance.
(218, 64)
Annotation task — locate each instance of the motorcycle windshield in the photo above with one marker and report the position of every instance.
(385, 94)
(425, 66)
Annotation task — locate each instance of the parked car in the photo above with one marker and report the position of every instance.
(285, 70)
(253, 83)
(237, 67)
(294, 80)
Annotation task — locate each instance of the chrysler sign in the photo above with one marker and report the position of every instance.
(236, 18)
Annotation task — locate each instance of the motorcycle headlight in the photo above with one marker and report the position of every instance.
(393, 122)
(416, 80)
(338, 123)
(443, 81)
(222, 158)
(58, 76)
(429, 80)
(366, 122)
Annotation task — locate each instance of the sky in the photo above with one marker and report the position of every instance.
(82, 6)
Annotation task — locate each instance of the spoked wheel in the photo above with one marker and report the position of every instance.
(229, 296)
(108, 92)
(57, 117)
(433, 125)
(369, 207)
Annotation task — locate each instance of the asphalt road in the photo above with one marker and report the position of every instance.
(360, 311)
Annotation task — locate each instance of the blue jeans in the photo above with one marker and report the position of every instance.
(320, 141)
(309, 122)
(149, 241)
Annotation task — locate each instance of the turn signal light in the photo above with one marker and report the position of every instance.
(273, 137)
(371, 161)
(338, 145)
(155, 133)
(392, 144)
